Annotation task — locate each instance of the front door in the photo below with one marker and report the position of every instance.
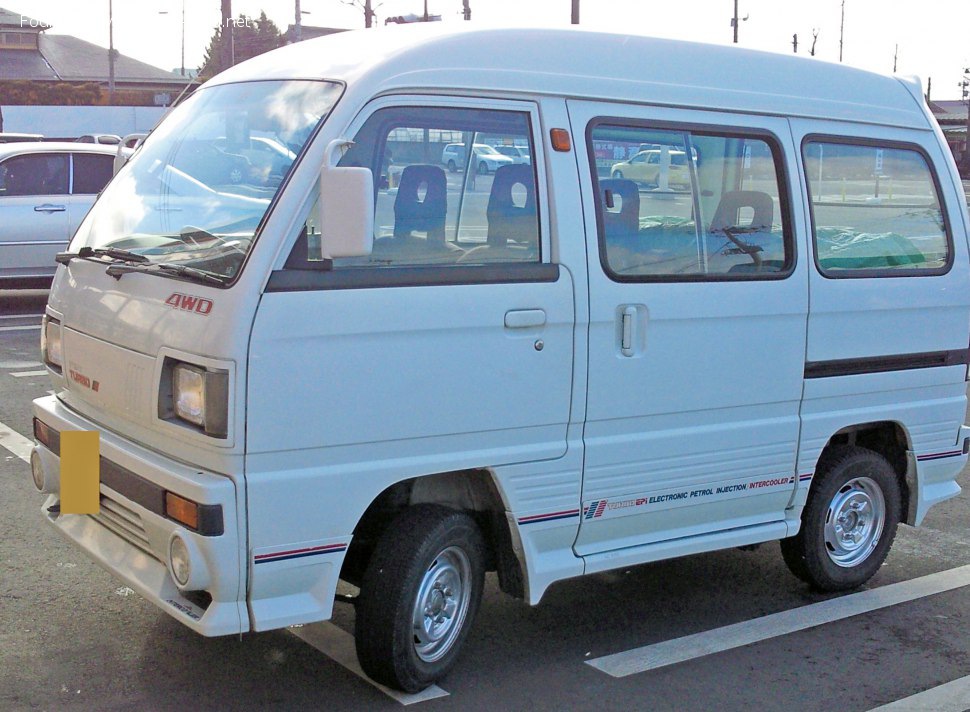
(451, 345)
(698, 303)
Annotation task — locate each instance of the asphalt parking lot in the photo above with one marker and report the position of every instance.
(731, 630)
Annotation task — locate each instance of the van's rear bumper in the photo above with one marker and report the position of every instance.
(130, 537)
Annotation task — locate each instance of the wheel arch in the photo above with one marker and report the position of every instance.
(892, 440)
(476, 491)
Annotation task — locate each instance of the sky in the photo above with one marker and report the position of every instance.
(929, 38)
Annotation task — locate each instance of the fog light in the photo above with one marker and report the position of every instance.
(37, 470)
(181, 564)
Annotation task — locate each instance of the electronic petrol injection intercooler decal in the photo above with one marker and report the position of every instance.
(682, 497)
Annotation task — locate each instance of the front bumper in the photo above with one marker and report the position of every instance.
(130, 536)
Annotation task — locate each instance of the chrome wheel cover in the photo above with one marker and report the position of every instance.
(854, 522)
(441, 605)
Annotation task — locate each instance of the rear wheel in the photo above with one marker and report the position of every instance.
(849, 522)
(618, 175)
(483, 168)
(452, 166)
(419, 596)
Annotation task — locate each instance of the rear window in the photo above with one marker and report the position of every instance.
(876, 210)
(91, 173)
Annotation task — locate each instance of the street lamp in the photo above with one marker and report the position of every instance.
(165, 12)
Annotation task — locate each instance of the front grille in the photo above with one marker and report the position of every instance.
(123, 521)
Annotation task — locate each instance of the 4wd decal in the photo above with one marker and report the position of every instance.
(187, 302)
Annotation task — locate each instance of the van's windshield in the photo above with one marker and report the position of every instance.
(194, 194)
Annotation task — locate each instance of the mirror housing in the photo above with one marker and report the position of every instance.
(346, 216)
(127, 147)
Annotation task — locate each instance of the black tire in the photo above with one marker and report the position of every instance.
(852, 485)
(618, 175)
(410, 565)
(452, 166)
(483, 169)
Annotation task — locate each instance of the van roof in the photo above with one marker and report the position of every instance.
(620, 67)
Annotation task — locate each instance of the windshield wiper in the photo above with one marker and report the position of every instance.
(196, 275)
(115, 253)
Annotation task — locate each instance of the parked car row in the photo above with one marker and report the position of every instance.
(485, 158)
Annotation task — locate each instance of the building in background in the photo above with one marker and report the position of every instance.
(29, 52)
(952, 117)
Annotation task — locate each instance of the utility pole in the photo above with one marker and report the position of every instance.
(575, 18)
(425, 18)
(842, 31)
(966, 150)
(895, 57)
(734, 22)
(228, 51)
(182, 71)
(466, 9)
(111, 53)
(298, 25)
(794, 43)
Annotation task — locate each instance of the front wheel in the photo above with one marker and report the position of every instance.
(483, 168)
(849, 522)
(419, 596)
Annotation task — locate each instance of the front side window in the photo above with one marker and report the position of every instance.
(875, 211)
(444, 195)
(690, 206)
(195, 193)
(35, 174)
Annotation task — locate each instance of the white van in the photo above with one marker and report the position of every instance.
(544, 372)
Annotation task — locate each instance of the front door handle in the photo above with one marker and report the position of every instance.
(524, 318)
(49, 208)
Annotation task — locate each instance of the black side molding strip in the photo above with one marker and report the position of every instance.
(884, 364)
(297, 280)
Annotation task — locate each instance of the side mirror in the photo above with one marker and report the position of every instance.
(346, 217)
(127, 147)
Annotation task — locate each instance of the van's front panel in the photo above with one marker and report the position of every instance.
(697, 327)
(144, 343)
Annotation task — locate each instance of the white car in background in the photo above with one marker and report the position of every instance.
(485, 159)
(519, 155)
(46, 189)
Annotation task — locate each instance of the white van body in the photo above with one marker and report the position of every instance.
(586, 410)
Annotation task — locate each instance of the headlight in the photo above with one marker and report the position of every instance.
(197, 395)
(50, 343)
(188, 390)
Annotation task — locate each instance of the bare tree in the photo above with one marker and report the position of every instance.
(814, 40)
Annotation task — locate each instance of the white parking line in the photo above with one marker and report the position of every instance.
(15, 443)
(951, 697)
(27, 374)
(729, 637)
(339, 645)
(19, 328)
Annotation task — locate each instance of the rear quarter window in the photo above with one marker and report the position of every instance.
(876, 210)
